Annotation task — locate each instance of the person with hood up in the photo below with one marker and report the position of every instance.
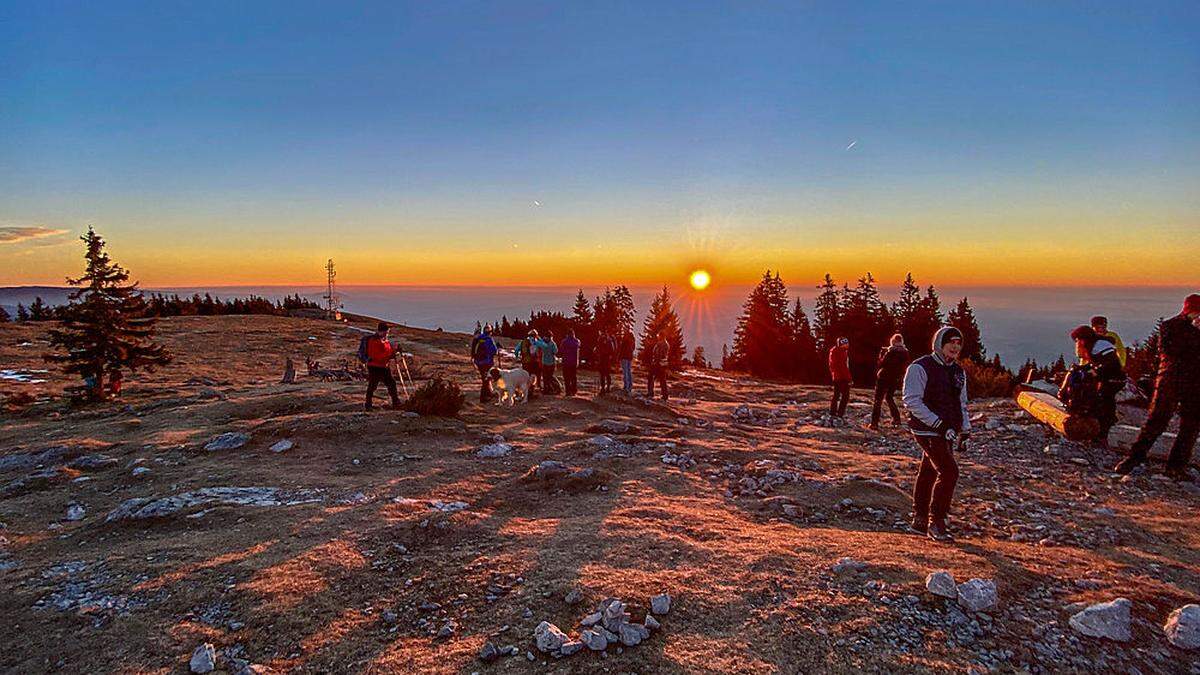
(1100, 356)
(549, 351)
(935, 395)
(1176, 387)
(839, 372)
(568, 351)
(483, 354)
(893, 359)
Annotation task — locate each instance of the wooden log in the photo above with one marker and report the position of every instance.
(1050, 411)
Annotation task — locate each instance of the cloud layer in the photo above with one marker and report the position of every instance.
(14, 234)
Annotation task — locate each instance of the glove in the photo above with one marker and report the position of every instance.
(950, 435)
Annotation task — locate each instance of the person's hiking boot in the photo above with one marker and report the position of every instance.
(1127, 465)
(919, 525)
(937, 532)
(1178, 473)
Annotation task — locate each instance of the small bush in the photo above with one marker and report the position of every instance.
(439, 396)
(987, 381)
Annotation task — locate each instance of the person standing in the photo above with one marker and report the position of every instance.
(1100, 325)
(483, 353)
(893, 359)
(526, 352)
(1100, 356)
(935, 396)
(625, 355)
(548, 351)
(376, 351)
(1176, 387)
(657, 368)
(603, 355)
(839, 372)
(569, 352)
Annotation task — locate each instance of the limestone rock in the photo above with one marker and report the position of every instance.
(493, 450)
(660, 604)
(283, 445)
(548, 637)
(942, 583)
(1105, 620)
(977, 595)
(227, 441)
(594, 640)
(652, 623)
(1183, 627)
(204, 659)
(75, 512)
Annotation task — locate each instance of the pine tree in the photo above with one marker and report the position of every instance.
(698, 358)
(624, 312)
(868, 324)
(38, 311)
(804, 362)
(105, 326)
(906, 305)
(662, 323)
(582, 311)
(828, 315)
(726, 360)
(925, 321)
(22, 313)
(5, 317)
(760, 341)
(962, 317)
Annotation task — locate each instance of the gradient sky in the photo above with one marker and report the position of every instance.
(245, 142)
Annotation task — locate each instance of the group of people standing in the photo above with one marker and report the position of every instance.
(540, 356)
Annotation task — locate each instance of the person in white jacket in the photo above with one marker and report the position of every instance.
(935, 396)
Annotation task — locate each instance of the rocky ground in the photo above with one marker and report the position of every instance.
(733, 529)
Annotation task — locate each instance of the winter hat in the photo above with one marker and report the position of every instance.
(1098, 319)
(1191, 304)
(944, 335)
(1085, 333)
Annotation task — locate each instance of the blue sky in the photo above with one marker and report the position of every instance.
(852, 134)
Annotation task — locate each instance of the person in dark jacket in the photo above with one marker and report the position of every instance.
(839, 372)
(1176, 387)
(526, 352)
(893, 359)
(1099, 355)
(935, 395)
(603, 355)
(376, 351)
(625, 355)
(483, 354)
(568, 351)
(656, 369)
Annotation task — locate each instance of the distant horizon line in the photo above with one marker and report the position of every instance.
(732, 284)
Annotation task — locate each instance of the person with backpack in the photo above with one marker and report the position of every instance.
(603, 355)
(569, 351)
(1176, 387)
(376, 352)
(1107, 378)
(483, 355)
(839, 372)
(526, 352)
(657, 368)
(548, 352)
(1100, 325)
(935, 395)
(625, 355)
(893, 359)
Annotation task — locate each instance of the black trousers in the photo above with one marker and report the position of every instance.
(841, 396)
(570, 378)
(936, 480)
(1170, 395)
(1106, 409)
(657, 373)
(377, 374)
(485, 382)
(604, 370)
(885, 391)
(547, 375)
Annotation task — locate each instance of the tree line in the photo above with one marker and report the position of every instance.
(160, 305)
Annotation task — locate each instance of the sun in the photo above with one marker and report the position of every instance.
(700, 280)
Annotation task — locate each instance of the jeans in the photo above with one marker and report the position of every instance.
(841, 396)
(627, 375)
(1169, 395)
(377, 374)
(885, 391)
(935, 480)
(485, 382)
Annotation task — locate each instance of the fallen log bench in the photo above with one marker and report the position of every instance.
(1050, 411)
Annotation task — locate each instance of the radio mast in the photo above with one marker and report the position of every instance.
(332, 302)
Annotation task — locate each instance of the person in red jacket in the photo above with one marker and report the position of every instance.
(377, 352)
(839, 372)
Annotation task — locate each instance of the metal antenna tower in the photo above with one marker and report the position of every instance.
(332, 302)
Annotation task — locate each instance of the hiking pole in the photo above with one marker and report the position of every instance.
(404, 364)
(400, 376)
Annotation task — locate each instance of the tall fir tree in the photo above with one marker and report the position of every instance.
(726, 360)
(907, 303)
(582, 311)
(105, 327)
(827, 314)
(760, 341)
(22, 313)
(962, 317)
(38, 310)
(868, 324)
(624, 310)
(699, 360)
(585, 327)
(662, 323)
(5, 317)
(804, 362)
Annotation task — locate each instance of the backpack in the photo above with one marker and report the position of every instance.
(1079, 392)
(477, 343)
(362, 348)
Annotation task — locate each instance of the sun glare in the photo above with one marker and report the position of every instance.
(700, 280)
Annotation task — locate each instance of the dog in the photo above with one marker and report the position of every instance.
(512, 385)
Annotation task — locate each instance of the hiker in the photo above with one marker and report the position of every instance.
(893, 359)
(376, 352)
(935, 396)
(548, 351)
(526, 353)
(602, 356)
(657, 368)
(483, 354)
(839, 372)
(569, 349)
(625, 355)
(1099, 356)
(1176, 387)
(1100, 325)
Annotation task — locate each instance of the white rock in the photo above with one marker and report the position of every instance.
(847, 566)
(283, 446)
(1105, 620)
(652, 623)
(660, 604)
(1183, 627)
(140, 471)
(204, 659)
(548, 637)
(977, 595)
(229, 441)
(493, 450)
(75, 512)
(600, 440)
(594, 640)
(941, 583)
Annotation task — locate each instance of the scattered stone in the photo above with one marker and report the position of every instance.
(600, 441)
(548, 637)
(488, 652)
(446, 631)
(75, 512)
(139, 471)
(652, 623)
(283, 446)
(227, 441)
(1183, 627)
(594, 640)
(1105, 620)
(204, 659)
(447, 507)
(632, 634)
(847, 566)
(493, 450)
(660, 604)
(591, 620)
(571, 647)
(942, 583)
(141, 508)
(92, 462)
(574, 597)
(977, 595)
(615, 427)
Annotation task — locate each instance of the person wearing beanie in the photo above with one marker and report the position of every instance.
(935, 396)
(1100, 325)
(892, 361)
(1099, 355)
(1176, 388)
(839, 373)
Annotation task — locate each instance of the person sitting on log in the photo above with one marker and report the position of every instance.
(1099, 355)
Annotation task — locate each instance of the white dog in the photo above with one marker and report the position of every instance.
(512, 385)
